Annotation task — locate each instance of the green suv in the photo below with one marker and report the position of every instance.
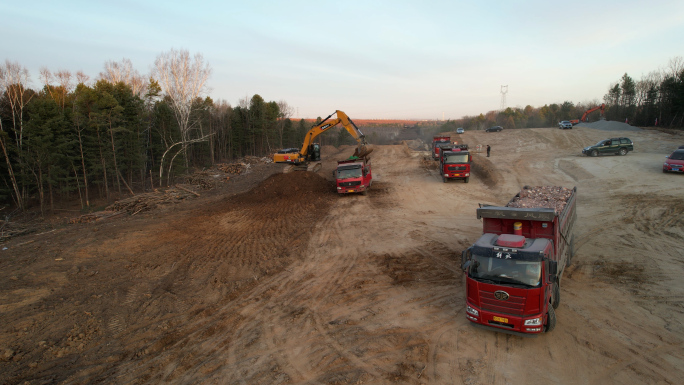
(615, 146)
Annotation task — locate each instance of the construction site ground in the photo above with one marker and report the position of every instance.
(273, 278)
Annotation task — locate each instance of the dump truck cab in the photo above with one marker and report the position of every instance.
(454, 162)
(353, 175)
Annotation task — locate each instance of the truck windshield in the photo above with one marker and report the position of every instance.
(504, 271)
(456, 158)
(349, 173)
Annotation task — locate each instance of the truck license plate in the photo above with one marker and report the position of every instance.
(500, 319)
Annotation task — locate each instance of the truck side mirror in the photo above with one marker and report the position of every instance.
(334, 173)
(553, 268)
(465, 259)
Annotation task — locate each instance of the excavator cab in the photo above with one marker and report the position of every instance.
(314, 153)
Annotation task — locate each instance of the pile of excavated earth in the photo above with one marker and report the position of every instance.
(552, 197)
(609, 125)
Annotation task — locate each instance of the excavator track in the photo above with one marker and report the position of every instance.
(314, 167)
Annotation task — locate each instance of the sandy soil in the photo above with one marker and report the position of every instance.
(289, 283)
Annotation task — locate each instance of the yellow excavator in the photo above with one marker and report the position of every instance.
(309, 156)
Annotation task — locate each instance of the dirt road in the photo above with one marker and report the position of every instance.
(291, 284)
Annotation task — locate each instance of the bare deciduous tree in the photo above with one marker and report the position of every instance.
(82, 78)
(124, 72)
(16, 78)
(64, 78)
(46, 79)
(183, 79)
(285, 111)
(13, 81)
(675, 66)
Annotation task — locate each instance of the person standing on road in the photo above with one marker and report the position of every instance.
(488, 150)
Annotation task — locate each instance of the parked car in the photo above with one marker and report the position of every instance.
(494, 129)
(675, 161)
(564, 124)
(460, 130)
(615, 146)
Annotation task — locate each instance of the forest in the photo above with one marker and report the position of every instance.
(73, 138)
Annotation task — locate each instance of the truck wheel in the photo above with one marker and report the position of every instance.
(555, 295)
(594, 153)
(466, 179)
(551, 320)
(364, 192)
(623, 151)
(444, 179)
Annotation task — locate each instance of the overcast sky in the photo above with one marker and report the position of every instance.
(371, 59)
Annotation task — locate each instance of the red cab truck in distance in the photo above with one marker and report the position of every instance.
(436, 141)
(454, 162)
(514, 271)
(353, 175)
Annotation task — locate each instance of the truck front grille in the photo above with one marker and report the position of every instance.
(457, 168)
(513, 305)
(350, 184)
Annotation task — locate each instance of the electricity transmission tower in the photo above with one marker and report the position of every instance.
(504, 90)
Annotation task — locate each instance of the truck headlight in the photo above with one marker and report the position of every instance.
(339, 188)
(533, 322)
(472, 310)
(446, 175)
(467, 174)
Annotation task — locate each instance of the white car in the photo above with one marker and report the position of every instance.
(460, 130)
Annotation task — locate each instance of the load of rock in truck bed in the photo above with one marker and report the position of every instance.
(552, 197)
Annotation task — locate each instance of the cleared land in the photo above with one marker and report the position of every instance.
(274, 279)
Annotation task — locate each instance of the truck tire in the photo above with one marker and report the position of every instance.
(444, 179)
(466, 179)
(555, 296)
(623, 151)
(594, 153)
(551, 320)
(364, 192)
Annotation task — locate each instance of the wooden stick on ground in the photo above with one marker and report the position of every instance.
(187, 190)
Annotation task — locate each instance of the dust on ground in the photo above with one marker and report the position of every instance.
(274, 279)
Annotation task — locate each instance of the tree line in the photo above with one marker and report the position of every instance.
(657, 99)
(122, 133)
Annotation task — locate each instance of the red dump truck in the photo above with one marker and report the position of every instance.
(353, 175)
(436, 141)
(514, 271)
(454, 162)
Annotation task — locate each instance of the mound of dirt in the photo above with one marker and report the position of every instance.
(297, 186)
(609, 125)
(485, 170)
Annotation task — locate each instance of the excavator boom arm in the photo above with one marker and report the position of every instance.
(589, 111)
(325, 125)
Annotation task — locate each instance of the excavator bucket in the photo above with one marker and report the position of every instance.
(363, 151)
